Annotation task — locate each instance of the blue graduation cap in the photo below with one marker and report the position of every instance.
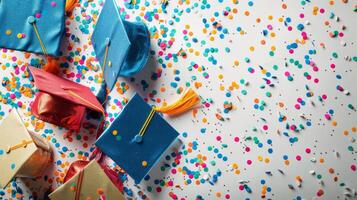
(139, 135)
(121, 47)
(137, 138)
(32, 26)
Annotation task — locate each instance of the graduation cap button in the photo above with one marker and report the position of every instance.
(107, 41)
(138, 138)
(31, 20)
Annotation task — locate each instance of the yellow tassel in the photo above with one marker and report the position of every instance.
(52, 66)
(186, 102)
(70, 4)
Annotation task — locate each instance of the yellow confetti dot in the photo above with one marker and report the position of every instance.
(235, 166)
(221, 87)
(144, 163)
(19, 35)
(8, 32)
(115, 132)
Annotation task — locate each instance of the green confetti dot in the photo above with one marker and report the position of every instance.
(350, 148)
(334, 54)
(118, 137)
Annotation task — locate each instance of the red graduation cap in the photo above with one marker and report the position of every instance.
(60, 101)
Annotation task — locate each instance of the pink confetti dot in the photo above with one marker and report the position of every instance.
(249, 162)
(353, 167)
(265, 127)
(38, 15)
(236, 139)
(247, 149)
(53, 4)
(241, 187)
(308, 150)
(298, 158)
(19, 104)
(327, 116)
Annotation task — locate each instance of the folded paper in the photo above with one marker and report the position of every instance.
(137, 138)
(90, 182)
(121, 47)
(22, 153)
(32, 25)
(60, 101)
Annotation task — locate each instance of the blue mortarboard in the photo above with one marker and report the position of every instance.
(32, 25)
(121, 47)
(137, 138)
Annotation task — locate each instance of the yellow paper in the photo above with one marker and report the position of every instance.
(94, 182)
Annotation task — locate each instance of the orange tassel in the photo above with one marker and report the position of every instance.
(52, 66)
(188, 100)
(70, 4)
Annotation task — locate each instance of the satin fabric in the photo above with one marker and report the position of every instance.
(79, 165)
(60, 101)
(129, 153)
(129, 44)
(50, 22)
(58, 111)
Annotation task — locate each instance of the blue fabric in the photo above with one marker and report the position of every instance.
(125, 148)
(129, 44)
(14, 16)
